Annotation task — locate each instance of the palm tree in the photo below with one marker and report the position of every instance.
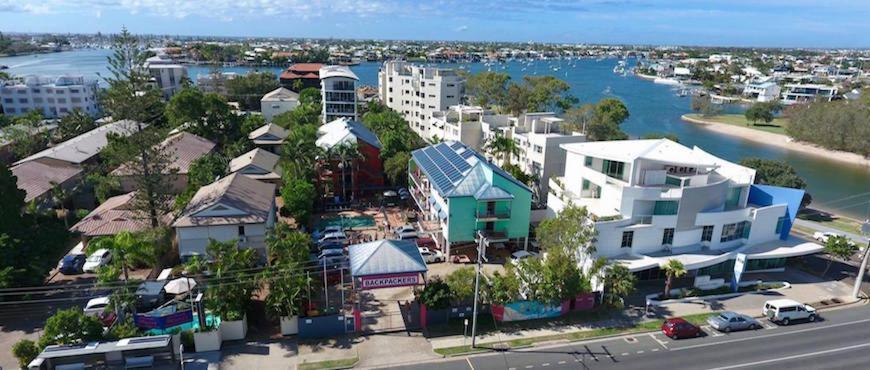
(300, 151)
(618, 283)
(60, 196)
(673, 269)
(502, 146)
(128, 250)
(346, 154)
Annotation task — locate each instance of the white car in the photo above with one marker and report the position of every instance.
(783, 311)
(823, 236)
(317, 234)
(517, 256)
(99, 258)
(406, 228)
(96, 306)
(431, 256)
(332, 239)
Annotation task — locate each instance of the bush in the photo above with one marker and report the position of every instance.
(436, 294)
(25, 351)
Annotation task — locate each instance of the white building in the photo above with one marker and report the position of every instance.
(215, 82)
(656, 200)
(52, 97)
(166, 74)
(762, 91)
(338, 93)
(461, 123)
(804, 93)
(278, 101)
(419, 92)
(235, 207)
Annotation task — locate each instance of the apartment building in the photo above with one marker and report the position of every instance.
(53, 97)
(166, 74)
(419, 92)
(656, 200)
(805, 93)
(459, 193)
(338, 93)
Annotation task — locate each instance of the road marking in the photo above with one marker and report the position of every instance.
(786, 358)
(529, 366)
(639, 352)
(561, 362)
(545, 364)
(781, 333)
(660, 342)
(590, 353)
(768, 325)
(654, 350)
(713, 332)
(625, 353)
(469, 363)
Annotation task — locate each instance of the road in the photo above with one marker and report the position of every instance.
(840, 340)
(854, 236)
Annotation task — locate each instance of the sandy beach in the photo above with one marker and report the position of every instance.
(780, 141)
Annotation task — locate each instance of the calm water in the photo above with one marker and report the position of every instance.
(654, 108)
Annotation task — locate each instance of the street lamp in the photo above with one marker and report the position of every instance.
(856, 291)
(481, 249)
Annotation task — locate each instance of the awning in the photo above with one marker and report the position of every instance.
(780, 251)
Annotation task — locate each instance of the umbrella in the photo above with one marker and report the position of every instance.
(179, 286)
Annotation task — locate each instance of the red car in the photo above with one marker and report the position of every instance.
(679, 328)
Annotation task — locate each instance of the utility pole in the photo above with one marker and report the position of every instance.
(481, 248)
(856, 291)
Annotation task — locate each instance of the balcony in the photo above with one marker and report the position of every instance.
(487, 216)
(492, 236)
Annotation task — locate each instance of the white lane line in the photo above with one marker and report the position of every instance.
(770, 335)
(786, 358)
(625, 353)
(768, 325)
(660, 342)
(709, 329)
(529, 366)
(561, 362)
(469, 363)
(545, 364)
(639, 352)
(654, 350)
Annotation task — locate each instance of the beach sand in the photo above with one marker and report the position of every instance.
(780, 141)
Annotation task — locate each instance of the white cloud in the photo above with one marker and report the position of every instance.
(461, 28)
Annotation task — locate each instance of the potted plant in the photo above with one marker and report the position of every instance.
(208, 338)
(288, 251)
(229, 295)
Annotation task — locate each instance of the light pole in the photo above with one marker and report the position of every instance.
(856, 291)
(481, 249)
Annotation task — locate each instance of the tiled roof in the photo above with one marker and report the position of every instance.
(37, 177)
(305, 67)
(185, 148)
(85, 146)
(255, 199)
(342, 130)
(269, 134)
(456, 170)
(114, 216)
(385, 256)
(260, 158)
(280, 94)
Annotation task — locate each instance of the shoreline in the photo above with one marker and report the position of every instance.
(780, 141)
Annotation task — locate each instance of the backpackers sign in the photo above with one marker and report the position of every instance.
(388, 281)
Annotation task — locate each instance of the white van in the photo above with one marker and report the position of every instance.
(783, 311)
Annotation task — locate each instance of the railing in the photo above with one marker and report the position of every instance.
(493, 215)
(643, 220)
(494, 236)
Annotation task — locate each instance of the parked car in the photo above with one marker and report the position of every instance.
(519, 255)
(431, 255)
(72, 264)
(99, 258)
(391, 198)
(426, 243)
(334, 238)
(784, 311)
(731, 321)
(405, 229)
(331, 258)
(678, 327)
(404, 194)
(317, 234)
(96, 306)
(823, 236)
(408, 235)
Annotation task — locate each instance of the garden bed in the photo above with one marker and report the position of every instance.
(723, 290)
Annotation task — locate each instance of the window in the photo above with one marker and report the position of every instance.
(587, 161)
(707, 233)
(733, 198)
(666, 207)
(627, 239)
(613, 169)
(668, 236)
(673, 181)
(586, 184)
(735, 231)
(539, 149)
(780, 223)
(241, 230)
(23, 100)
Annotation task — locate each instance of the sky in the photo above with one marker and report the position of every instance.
(760, 23)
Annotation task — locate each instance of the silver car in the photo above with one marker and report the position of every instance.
(731, 321)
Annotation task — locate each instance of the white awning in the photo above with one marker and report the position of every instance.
(766, 251)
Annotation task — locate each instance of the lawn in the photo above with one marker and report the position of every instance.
(775, 127)
(645, 326)
(840, 223)
(330, 364)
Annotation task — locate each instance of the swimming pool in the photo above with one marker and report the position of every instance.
(210, 320)
(354, 222)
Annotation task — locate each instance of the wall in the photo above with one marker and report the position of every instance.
(765, 195)
(322, 326)
(194, 240)
(271, 109)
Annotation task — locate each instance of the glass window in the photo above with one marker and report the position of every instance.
(707, 233)
(668, 236)
(780, 223)
(627, 239)
(587, 161)
(666, 207)
(613, 169)
(733, 197)
(673, 181)
(735, 231)
(585, 184)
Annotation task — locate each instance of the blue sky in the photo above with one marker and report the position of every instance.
(790, 23)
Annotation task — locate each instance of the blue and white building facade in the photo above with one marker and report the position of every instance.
(53, 97)
(656, 200)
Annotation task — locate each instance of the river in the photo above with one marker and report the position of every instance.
(835, 186)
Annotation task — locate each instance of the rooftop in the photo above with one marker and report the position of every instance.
(87, 145)
(234, 199)
(114, 216)
(344, 130)
(456, 170)
(385, 256)
(280, 94)
(262, 159)
(337, 71)
(39, 176)
(184, 147)
(269, 134)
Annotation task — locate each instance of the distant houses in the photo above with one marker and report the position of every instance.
(299, 76)
(52, 97)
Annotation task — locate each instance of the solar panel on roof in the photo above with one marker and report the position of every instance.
(454, 159)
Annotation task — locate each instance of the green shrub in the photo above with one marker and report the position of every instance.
(25, 351)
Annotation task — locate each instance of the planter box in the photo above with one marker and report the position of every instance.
(207, 340)
(289, 325)
(234, 330)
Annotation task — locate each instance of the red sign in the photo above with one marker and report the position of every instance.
(388, 281)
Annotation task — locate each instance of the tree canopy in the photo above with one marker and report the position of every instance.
(600, 121)
(837, 125)
(249, 88)
(777, 173)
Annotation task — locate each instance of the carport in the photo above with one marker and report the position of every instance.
(383, 264)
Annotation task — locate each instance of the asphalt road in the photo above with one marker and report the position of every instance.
(840, 340)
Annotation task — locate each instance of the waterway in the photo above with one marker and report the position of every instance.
(835, 186)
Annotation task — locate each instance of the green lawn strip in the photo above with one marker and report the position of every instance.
(646, 326)
(776, 127)
(842, 224)
(329, 364)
